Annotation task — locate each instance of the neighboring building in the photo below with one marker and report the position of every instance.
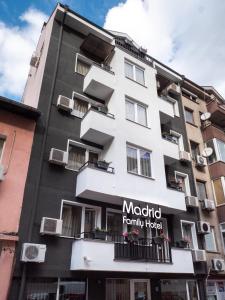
(112, 130)
(17, 124)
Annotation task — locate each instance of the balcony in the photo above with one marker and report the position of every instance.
(217, 111)
(96, 183)
(99, 82)
(97, 127)
(120, 256)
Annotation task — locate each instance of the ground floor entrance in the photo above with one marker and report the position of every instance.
(216, 290)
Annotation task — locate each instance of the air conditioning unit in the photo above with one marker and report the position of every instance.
(51, 226)
(65, 103)
(143, 50)
(198, 255)
(2, 176)
(184, 156)
(33, 252)
(203, 227)
(174, 88)
(34, 61)
(191, 201)
(201, 161)
(58, 157)
(218, 265)
(208, 205)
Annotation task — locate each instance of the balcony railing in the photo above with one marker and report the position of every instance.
(100, 165)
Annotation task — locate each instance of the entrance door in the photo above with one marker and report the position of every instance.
(140, 289)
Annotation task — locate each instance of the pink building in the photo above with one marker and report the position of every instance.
(17, 125)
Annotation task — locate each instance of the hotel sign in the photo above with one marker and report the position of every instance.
(146, 216)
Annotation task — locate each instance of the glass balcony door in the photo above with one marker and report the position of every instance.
(140, 289)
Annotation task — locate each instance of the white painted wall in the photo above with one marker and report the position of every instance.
(100, 257)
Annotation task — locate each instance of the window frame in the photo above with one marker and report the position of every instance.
(136, 105)
(134, 67)
(205, 186)
(193, 232)
(84, 59)
(187, 181)
(222, 178)
(221, 232)
(138, 149)
(213, 234)
(98, 210)
(186, 109)
(3, 138)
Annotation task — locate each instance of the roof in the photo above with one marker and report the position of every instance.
(19, 108)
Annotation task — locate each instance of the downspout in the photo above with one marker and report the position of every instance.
(39, 171)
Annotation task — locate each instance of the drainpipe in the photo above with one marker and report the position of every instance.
(39, 171)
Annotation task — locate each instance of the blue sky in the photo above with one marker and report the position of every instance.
(189, 38)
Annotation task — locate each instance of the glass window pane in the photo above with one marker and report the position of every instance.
(41, 290)
(201, 190)
(132, 160)
(71, 216)
(140, 75)
(90, 220)
(2, 141)
(219, 192)
(76, 157)
(82, 67)
(141, 115)
(193, 291)
(80, 108)
(212, 158)
(130, 110)
(141, 290)
(72, 290)
(114, 222)
(210, 243)
(173, 289)
(145, 163)
(221, 146)
(129, 70)
(117, 289)
(93, 157)
(187, 233)
(189, 116)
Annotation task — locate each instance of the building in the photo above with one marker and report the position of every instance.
(17, 124)
(107, 211)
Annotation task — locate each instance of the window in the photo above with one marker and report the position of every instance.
(82, 67)
(114, 222)
(2, 142)
(183, 181)
(210, 242)
(136, 112)
(78, 156)
(222, 229)
(134, 72)
(179, 289)
(80, 108)
(201, 190)
(194, 150)
(218, 147)
(218, 185)
(221, 148)
(79, 218)
(138, 161)
(211, 158)
(189, 116)
(189, 232)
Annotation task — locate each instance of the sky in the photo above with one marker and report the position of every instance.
(188, 36)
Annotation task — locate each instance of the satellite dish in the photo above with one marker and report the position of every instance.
(205, 116)
(207, 152)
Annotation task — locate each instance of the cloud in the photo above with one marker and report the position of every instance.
(17, 44)
(189, 36)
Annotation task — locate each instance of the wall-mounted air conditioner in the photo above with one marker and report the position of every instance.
(34, 61)
(51, 226)
(201, 161)
(218, 265)
(184, 156)
(58, 157)
(65, 103)
(203, 227)
(174, 88)
(208, 205)
(191, 201)
(33, 252)
(198, 255)
(2, 176)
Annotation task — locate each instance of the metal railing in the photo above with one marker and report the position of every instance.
(98, 165)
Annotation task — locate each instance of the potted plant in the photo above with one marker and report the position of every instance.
(102, 164)
(185, 242)
(159, 240)
(100, 234)
(131, 236)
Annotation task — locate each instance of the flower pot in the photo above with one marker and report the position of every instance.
(99, 235)
(102, 165)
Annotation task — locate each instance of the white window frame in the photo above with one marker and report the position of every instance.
(222, 178)
(134, 67)
(139, 160)
(2, 137)
(188, 295)
(82, 58)
(193, 232)
(180, 139)
(136, 104)
(98, 210)
(84, 146)
(212, 231)
(221, 232)
(186, 181)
